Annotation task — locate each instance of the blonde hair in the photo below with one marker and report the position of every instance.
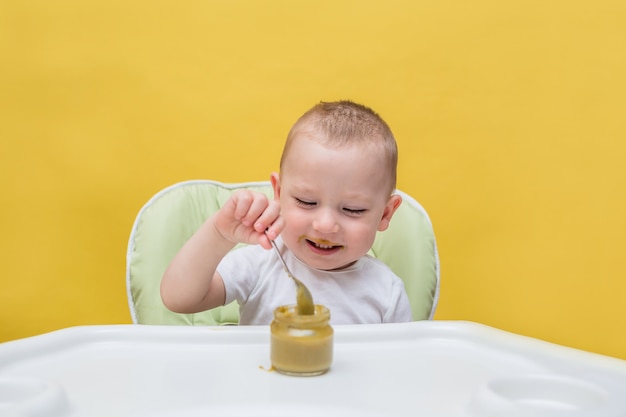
(347, 123)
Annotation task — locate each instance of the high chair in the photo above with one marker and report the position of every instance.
(173, 214)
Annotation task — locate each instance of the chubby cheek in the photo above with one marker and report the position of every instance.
(363, 240)
(362, 233)
(295, 226)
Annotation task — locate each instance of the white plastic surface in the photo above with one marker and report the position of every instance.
(426, 369)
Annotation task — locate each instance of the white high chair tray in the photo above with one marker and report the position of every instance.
(426, 369)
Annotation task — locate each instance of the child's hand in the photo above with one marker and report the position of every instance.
(245, 217)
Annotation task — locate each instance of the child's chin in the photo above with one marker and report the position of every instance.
(331, 266)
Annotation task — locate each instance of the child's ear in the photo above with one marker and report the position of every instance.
(275, 180)
(392, 205)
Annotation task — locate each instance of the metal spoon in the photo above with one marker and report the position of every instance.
(303, 295)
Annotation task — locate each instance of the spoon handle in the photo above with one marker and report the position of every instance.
(278, 254)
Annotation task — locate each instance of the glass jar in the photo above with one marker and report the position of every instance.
(301, 345)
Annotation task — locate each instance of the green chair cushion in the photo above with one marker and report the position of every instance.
(169, 219)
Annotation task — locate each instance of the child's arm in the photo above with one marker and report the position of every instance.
(190, 283)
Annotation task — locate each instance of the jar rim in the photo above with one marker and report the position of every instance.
(289, 312)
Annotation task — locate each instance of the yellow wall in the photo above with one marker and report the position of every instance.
(509, 116)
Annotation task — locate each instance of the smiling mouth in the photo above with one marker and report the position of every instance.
(323, 245)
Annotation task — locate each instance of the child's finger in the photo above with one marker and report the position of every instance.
(274, 229)
(242, 200)
(255, 209)
(269, 215)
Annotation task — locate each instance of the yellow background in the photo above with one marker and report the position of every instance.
(509, 116)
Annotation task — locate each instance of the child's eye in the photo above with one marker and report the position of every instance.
(354, 212)
(304, 203)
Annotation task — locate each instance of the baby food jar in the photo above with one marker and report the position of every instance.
(301, 345)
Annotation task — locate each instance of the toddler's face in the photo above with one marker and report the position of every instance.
(333, 200)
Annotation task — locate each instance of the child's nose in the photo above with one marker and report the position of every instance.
(325, 222)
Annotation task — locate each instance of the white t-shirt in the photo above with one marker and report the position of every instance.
(366, 292)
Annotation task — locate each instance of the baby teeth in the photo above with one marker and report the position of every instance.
(319, 245)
